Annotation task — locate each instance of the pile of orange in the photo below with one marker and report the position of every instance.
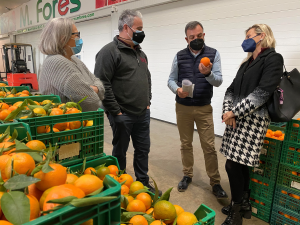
(291, 195)
(256, 201)
(278, 135)
(288, 216)
(8, 94)
(259, 182)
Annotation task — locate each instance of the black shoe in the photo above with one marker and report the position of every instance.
(184, 183)
(152, 189)
(219, 192)
(234, 217)
(246, 208)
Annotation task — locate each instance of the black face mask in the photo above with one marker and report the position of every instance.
(197, 44)
(138, 36)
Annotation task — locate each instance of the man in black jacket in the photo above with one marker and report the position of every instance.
(123, 68)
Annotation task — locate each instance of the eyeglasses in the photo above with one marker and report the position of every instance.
(76, 33)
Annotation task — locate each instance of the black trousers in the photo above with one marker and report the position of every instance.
(138, 128)
(239, 179)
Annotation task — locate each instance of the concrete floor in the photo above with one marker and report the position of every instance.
(166, 169)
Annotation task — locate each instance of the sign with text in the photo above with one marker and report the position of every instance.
(35, 13)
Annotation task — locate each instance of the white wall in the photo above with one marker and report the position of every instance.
(224, 24)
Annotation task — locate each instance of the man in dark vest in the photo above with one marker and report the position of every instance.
(197, 107)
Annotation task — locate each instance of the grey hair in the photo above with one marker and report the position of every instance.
(127, 17)
(192, 25)
(55, 36)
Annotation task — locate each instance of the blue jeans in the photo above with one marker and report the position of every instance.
(138, 128)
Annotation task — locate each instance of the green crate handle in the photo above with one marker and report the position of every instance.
(22, 129)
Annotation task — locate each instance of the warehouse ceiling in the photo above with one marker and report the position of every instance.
(6, 5)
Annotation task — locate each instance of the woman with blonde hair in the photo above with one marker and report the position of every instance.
(63, 73)
(246, 116)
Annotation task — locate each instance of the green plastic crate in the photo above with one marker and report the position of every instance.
(108, 213)
(293, 132)
(279, 219)
(5, 82)
(38, 98)
(285, 200)
(205, 215)
(286, 178)
(261, 210)
(290, 154)
(22, 129)
(89, 138)
(277, 126)
(271, 149)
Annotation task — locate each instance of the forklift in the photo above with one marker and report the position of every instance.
(19, 66)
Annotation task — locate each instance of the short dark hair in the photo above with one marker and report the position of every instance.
(192, 25)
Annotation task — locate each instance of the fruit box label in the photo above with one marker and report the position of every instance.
(70, 150)
(258, 171)
(254, 210)
(295, 185)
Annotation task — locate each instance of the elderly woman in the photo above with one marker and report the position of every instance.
(63, 73)
(246, 116)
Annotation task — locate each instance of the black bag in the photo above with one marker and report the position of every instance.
(284, 104)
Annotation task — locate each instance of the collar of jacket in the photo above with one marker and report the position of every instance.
(120, 44)
(259, 57)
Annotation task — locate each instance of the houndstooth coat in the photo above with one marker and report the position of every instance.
(246, 97)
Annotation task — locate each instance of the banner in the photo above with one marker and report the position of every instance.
(34, 14)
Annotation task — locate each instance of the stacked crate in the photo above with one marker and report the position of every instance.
(286, 204)
(263, 178)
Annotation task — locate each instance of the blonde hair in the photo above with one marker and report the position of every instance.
(55, 36)
(269, 40)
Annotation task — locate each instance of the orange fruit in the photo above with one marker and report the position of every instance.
(4, 222)
(254, 180)
(165, 210)
(186, 218)
(266, 184)
(296, 196)
(102, 172)
(5, 106)
(262, 203)
(3, 160)
(157, 222)
(62, 191)
(71, 178)
(25, 92)
(281, 138)
(34, 191)
(23, 164)
(74, 125)
(60, 126)
(136, 206)
(11, 96)
(294, 219)
(294, 173)
(89, 123)
(42, 129)
(179, 209)
(278, 133)
(56, 112)
(88, 183)
(36, 145)
(268, 135)
(127, 178)
(57, 176)
(12, 108)
(4, 113)
(129, 198)
(23, 95)
(138, 220)
(89, 170)
(45, 102)
(72, 110)
(292, 148)
(54, 130)
(34, 207)
(124, 190)
(283, 192)
(89, 222)
(113, 169)
(149, 211)
(287, 216)
(39, 111)
(257, 201)
(135, 186)
(43, 197)
(113, 176)
(145, 198)
(281, 213)
(205, 61)
(295, 125)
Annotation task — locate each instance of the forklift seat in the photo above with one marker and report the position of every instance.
(20, 66)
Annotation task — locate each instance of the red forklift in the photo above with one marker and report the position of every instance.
(19, 66)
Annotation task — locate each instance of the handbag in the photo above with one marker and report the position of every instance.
(284, 104)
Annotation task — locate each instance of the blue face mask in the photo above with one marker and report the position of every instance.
(249, 45)
(78, 47)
